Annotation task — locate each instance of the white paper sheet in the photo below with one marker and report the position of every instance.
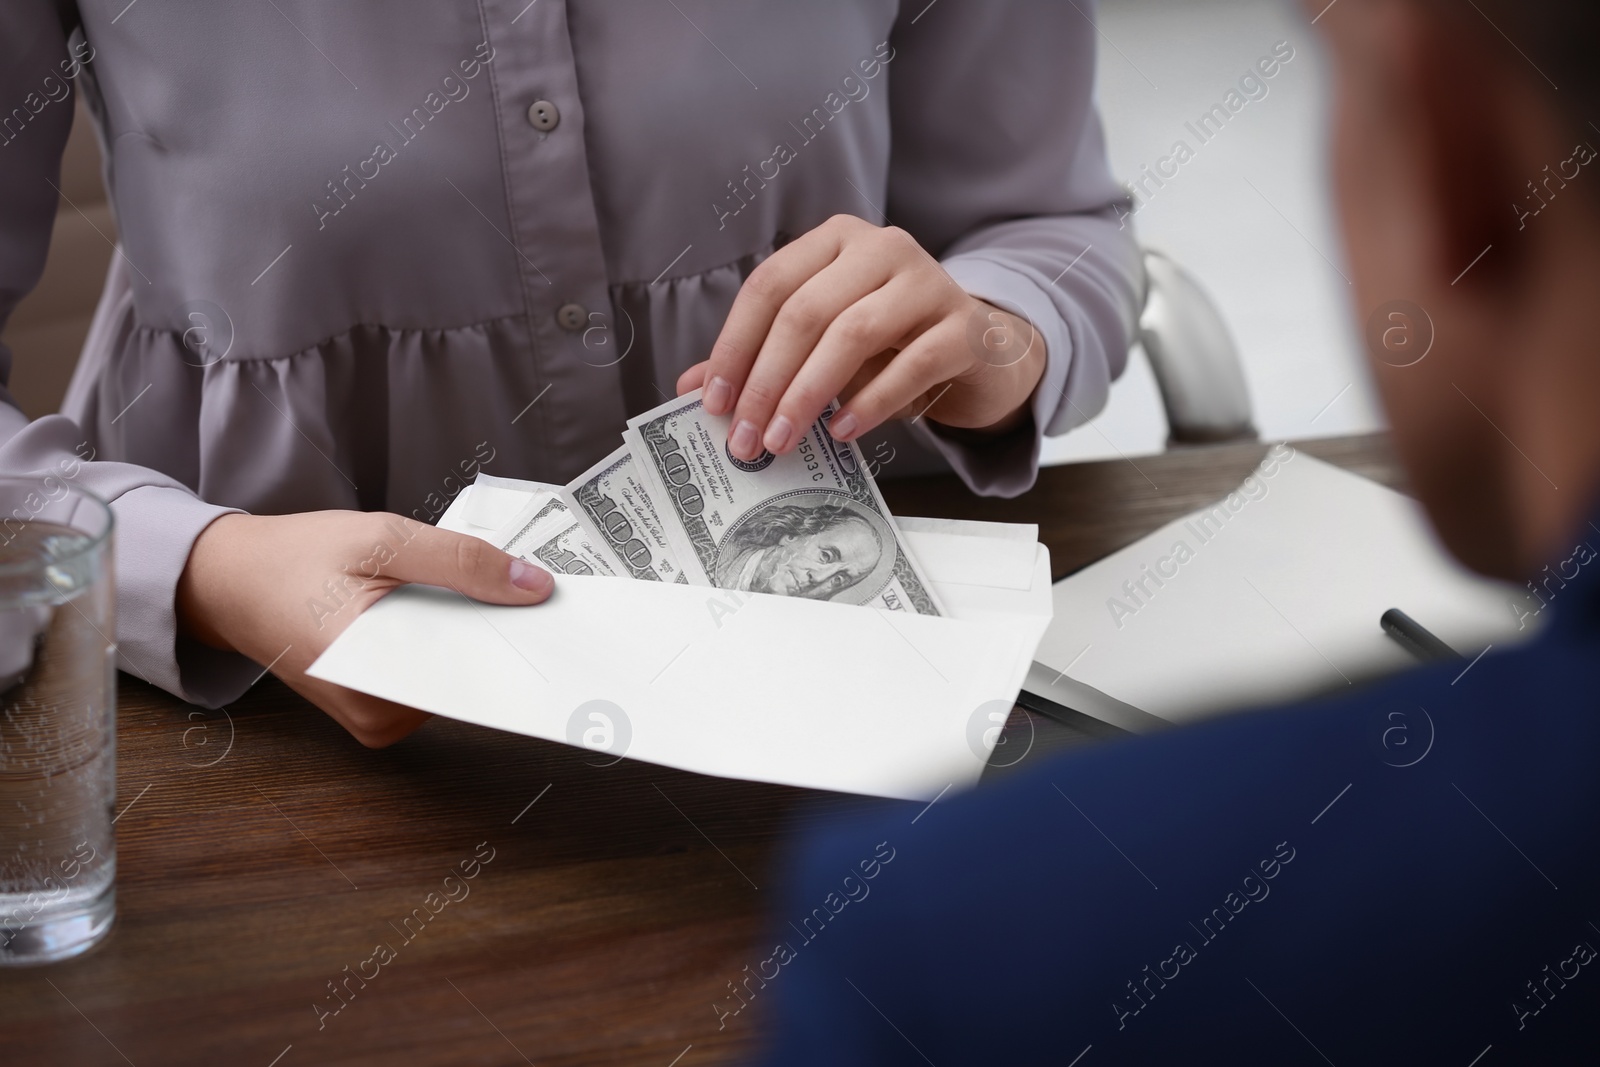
(1278, 599)
(776, 689)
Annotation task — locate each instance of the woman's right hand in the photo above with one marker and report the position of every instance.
(279, 589)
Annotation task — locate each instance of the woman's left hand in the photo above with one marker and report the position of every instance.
(862, 311)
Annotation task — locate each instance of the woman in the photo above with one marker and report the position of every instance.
(368, 250)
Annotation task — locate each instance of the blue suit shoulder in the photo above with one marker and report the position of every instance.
(1402, 874)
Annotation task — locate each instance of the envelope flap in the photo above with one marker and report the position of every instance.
(491, 503)
(952, 558)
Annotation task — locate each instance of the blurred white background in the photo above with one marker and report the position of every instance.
(1269, 255)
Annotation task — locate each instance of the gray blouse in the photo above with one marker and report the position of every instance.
(368, 249)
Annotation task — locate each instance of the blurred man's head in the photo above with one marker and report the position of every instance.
(1468, 179)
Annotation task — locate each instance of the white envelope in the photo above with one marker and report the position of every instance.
(490, 502)
(766, 688)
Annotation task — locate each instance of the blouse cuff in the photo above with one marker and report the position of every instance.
(156, 528)
(1007, 465)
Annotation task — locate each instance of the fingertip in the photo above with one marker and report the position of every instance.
(745, 441)
(718, 397)
(693, 378)
(844, 426)
(387, 738)
(780, 432)
(530, 579)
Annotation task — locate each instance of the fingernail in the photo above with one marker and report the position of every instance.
(778, 432)
(718, 395)
(525, 575)
(745, 441)
(843, 427)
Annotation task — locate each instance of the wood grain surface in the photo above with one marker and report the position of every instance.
(262, 852)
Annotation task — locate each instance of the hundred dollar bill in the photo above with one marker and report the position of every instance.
(613, 503)
(811, 523)
(546, 532)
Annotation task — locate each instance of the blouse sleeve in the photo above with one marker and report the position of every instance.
(157, 518)
(999, 168)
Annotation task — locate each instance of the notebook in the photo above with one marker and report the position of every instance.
(1271, 595)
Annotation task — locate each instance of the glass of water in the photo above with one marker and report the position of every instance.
(58, 779)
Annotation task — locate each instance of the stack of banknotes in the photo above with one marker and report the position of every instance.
(674, 505)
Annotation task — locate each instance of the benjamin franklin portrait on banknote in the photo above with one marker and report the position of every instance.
(816, 545)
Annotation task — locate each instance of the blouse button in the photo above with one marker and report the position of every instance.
(572, 317)
(543, 116)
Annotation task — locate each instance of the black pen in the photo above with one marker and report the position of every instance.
(1414, 637)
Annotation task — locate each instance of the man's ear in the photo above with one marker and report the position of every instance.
(1470, 123)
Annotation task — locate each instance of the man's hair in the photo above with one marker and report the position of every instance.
(1556, 38)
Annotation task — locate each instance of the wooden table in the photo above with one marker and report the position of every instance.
(263, 853)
